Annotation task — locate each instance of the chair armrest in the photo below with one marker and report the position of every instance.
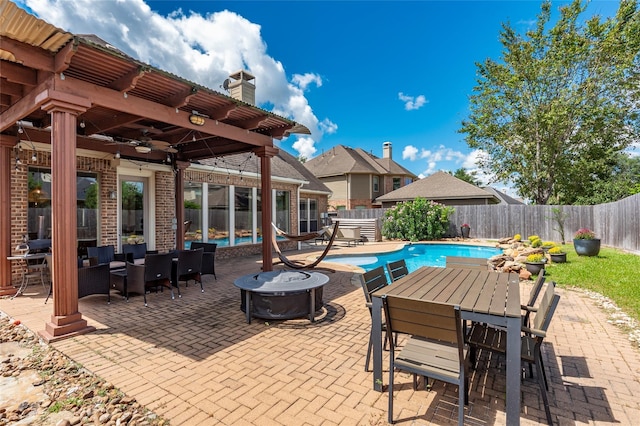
(120, 257)
(534, 332)
(529, 308)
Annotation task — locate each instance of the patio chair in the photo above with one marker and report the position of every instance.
(208, 257)
(156, 272)
(31, 268)
(494, 340)
(92, 279)
(135, 253)
(436, 348)
(371, 281)
(189, 267)
(107, 255)
(397, 269)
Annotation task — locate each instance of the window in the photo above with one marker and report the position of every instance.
(282, 217)
(218, 218)
(193, 212)
(243, 215)
(39, 210)
(376, 184)
(396, 183)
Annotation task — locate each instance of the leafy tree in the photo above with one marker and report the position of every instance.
(416, 220)
(623, 181)
(188, 204)
(555, 112)
(467, 176)
(91, 196)
(132, 197)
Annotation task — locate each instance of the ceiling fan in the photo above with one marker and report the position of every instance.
(146, 145)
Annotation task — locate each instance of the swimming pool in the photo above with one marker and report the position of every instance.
(416, 255)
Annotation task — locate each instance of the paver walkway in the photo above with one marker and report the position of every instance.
(195, 361)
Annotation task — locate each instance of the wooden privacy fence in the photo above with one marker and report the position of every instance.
(616, 224)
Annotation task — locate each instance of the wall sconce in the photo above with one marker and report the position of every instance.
(117, 155)
(197, 120)
(113, 195)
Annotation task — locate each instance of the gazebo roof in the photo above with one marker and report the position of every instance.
(132, 103)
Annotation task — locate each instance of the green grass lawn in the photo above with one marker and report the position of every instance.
(613, 273)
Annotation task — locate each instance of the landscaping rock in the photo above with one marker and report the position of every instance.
(66, 394)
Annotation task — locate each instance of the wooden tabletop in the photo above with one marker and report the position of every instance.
(486, 292)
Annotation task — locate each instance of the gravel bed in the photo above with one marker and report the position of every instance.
(61, 392)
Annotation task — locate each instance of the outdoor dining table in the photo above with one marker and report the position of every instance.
(483, 296)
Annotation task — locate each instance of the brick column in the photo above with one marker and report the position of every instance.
(66, 321)
(6, 145)
(266, 153)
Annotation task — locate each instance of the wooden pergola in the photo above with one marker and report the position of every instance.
(80, 92)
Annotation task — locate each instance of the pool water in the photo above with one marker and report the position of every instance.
(416, 255)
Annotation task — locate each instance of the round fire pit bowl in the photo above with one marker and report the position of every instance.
(281, 295)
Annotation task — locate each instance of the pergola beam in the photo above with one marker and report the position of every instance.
(108, 98)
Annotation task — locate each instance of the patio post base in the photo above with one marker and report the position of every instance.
(62, 327)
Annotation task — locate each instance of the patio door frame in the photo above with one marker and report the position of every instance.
(148, 202)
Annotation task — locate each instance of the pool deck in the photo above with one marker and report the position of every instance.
(194, 360)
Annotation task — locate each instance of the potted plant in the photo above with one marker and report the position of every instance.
(547, 245)
(586, 243)
(464, 230)
(535, 263)
(557, 255)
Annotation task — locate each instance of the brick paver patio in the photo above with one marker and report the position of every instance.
(195, 361)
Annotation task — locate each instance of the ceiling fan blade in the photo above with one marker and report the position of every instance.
(159, 144)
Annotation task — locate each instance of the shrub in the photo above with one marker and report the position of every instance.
(532, 237)
(548, 244)
(555, 250)
(584, 234)
(416, 220)
(536, 243)
(517, 237)
(535, 257)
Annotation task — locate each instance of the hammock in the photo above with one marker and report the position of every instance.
(301, 237)
(299, 264)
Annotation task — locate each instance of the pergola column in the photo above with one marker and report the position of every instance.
(266, 153)
(180, 166)
(6, 145)
(66, 321)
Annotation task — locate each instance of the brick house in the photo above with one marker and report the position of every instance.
(356, 178)
(97, 147)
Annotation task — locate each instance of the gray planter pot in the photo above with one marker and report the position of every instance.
(558, 257)
(587, 247)
(534, 267)
(464, 230)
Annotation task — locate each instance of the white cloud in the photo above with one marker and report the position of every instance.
(410, 102)
(201, 48)
(328, 127)
(303, 80)
(305, 146)
(410, 152)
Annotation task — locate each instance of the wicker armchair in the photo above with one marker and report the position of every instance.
(208, 257)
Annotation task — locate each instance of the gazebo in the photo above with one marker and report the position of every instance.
(77, 92)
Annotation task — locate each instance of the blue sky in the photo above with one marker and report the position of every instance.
(357, 73)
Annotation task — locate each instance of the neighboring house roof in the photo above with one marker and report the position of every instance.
(438, 186)
(283, 165)
(504, 198)
(341, 160)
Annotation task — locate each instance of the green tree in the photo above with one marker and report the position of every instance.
(467, 176)
(622, 181)
(554, 113)
(91, 196)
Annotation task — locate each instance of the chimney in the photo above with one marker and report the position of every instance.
(386, 150)
(242, 87)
